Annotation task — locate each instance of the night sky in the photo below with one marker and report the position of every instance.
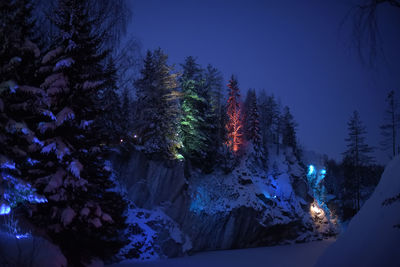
(293, 49)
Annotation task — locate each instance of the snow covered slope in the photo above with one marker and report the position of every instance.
(295, 255)
(373, 235)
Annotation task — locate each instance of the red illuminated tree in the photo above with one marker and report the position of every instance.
(234, 126)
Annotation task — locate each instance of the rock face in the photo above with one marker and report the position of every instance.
(247, 208)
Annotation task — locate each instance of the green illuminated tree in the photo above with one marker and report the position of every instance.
(193, 109)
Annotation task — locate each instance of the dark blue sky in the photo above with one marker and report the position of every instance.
(293, 49)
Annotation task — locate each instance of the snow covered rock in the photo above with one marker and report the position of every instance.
(251, 206)
(373, 235)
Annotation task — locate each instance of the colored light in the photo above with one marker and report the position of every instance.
(5, 209)
(311, 169)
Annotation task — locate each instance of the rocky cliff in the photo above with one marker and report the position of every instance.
(254, 205)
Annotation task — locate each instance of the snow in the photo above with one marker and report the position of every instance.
(91, 85)
(44, 126)
(75, 167)
(64, 115)
(84, 124)
(8, 165)
(49, 114)
(52, 54)
(299, 255)
(56, 181)
(146, 221)
(31, 90)
(55, 83)
(96, 222)
(28, 250)
(67, 216)
(50, 147)
(269, 192)
(371, 238)
(64, 63)
(37, 141)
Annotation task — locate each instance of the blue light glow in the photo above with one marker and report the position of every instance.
(200, 200)
(22, 236)
(311, 169)
(4, 209)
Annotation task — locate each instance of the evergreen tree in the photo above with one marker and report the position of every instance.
(110, 126)
(358, 151)
(269, 120)
(158, 107)
(392, 124)
(211, 92)
(83, 216)
(247, 108)
(193, 113)
(234, 127)
(126, 113)
(253, 124)
(288, 129)
(20, 101)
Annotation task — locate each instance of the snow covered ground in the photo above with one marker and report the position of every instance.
(298, 255)
(373, 235)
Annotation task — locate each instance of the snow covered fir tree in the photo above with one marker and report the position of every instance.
(114, 156)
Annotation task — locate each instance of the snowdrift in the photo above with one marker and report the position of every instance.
(373, 235)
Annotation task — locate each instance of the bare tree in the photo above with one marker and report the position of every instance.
(365, 30)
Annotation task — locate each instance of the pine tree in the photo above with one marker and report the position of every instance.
(392, 124)
(269, 120)
(194, 138)
(83, 216)
(253, 124)
(20, 100)
(357, 151)
(158, 107)
(289, 130)
(247, 109)
(234, 127)
(213, 86)
(109, 123)
(126, 113)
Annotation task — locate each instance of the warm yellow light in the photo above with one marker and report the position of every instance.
(315, 210)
